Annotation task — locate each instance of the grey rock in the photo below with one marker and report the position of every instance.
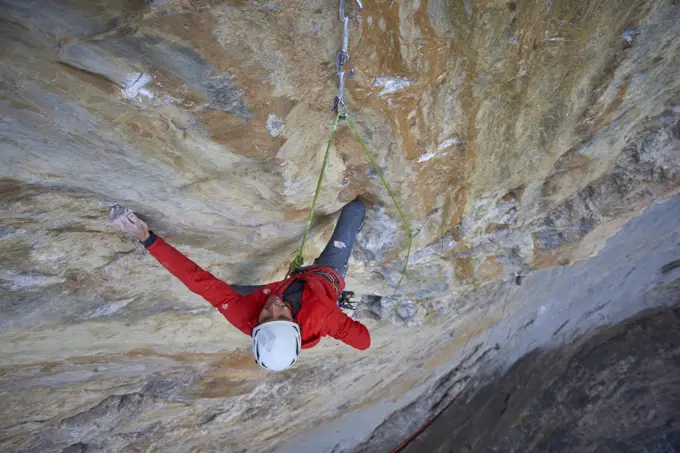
(612, 376)
(550, 158)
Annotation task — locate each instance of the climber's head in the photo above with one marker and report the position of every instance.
(276, 340)
(275, 309)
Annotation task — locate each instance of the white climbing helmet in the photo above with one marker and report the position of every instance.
(276, 344)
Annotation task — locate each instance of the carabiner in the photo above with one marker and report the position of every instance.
(341, 59)
(358, 9)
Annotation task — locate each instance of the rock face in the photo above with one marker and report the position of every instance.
(519, 136)
(617, 391)
(541, 325)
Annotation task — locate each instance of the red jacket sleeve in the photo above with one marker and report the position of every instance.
(232, 305)
(351, 332)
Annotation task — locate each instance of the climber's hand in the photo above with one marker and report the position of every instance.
(128, 222)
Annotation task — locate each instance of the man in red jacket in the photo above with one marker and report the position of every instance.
(282, 317)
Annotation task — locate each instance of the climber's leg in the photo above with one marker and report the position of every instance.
(339, 248)
(244, 290)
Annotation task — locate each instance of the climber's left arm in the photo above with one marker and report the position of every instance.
(351, 332)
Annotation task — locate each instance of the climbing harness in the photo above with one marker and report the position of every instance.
(340, 110)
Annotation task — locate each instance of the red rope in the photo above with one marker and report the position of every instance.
(419, 431)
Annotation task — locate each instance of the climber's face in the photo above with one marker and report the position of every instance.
(275, 309)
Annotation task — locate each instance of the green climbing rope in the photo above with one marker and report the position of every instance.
(298, 261)
(407, 227)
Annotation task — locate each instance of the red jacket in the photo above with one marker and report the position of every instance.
(319, 314)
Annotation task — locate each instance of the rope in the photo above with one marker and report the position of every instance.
(407, 227)
(341, 113)
(427, 424)
(299, 260)
(432, 419)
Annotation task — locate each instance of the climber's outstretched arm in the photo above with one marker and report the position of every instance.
(351, 332)
(218, 293)
(199, 281)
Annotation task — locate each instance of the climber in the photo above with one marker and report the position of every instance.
(281, 317)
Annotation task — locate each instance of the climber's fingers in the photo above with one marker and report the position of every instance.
(127, 221)
(132, 217)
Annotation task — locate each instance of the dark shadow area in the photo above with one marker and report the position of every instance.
(618, 390)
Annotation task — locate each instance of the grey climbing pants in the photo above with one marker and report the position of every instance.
(339, 248)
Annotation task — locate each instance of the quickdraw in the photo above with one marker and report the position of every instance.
(340, 110)
(343, 58)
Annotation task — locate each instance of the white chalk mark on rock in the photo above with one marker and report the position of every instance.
(19, 281)
(391, 84)
(448, 143)
(274, 125)
(426, 156)
(440, 150)
(108, 309)
(134, 84)
(339, 245)
(630, 33)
